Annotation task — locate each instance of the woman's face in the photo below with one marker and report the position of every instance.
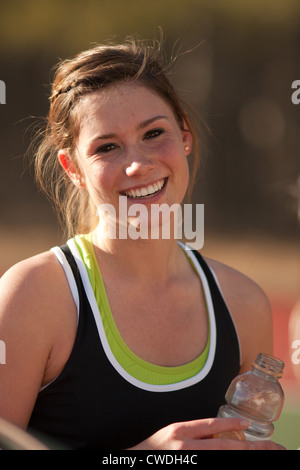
(130, 144)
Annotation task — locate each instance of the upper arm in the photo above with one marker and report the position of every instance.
(26, 333)
(250, 310)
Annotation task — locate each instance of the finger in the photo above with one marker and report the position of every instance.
(204, 428)
(267, 445)
(231, 444)
(219, 444)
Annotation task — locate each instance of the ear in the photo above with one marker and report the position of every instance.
(187, 139)
(70, 168)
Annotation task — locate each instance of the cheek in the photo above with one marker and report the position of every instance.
(98, 182)
(178, 162)
(185, 175)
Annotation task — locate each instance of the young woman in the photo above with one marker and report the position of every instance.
(123, 342)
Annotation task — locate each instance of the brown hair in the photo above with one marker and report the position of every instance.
(97, 68)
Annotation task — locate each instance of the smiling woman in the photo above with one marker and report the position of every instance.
(130, 145)
(99, 69)
(123, 342)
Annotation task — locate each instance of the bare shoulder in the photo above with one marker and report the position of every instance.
(250, 309)
(29, 278)
(37, 327)
(237, 285)
(33, 267)
(35, 292)
(31, 282)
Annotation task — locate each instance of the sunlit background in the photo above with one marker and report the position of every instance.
(244, 57)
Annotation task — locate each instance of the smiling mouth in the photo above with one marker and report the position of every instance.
(146, 191)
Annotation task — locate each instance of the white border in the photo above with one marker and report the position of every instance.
(73, 287)
(137, 383)
(221, 292)
(69, 274)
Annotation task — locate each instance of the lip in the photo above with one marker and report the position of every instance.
(148, 198)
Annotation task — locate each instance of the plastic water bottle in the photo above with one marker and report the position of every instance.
(256, 396)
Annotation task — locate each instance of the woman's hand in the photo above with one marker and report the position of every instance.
(198, 435)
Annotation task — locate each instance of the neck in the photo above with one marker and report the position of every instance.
(149, 260)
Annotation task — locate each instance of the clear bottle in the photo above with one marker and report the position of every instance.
(257, 396)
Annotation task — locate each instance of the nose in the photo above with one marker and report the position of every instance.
(139, 163)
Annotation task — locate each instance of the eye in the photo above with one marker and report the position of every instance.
(106, 148)
(153, 133)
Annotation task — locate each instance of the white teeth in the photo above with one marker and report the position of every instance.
(142, 192)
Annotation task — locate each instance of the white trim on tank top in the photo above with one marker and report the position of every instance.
(106, 347)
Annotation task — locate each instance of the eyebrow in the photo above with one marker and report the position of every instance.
(142, 125)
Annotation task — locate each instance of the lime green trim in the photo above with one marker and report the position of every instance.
(134, 365)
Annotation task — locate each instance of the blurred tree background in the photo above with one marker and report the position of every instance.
(239, 79)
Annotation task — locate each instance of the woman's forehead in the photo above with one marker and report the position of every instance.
(113, 93)
(120, 103)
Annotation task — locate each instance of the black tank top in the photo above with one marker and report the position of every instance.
(90, 405)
